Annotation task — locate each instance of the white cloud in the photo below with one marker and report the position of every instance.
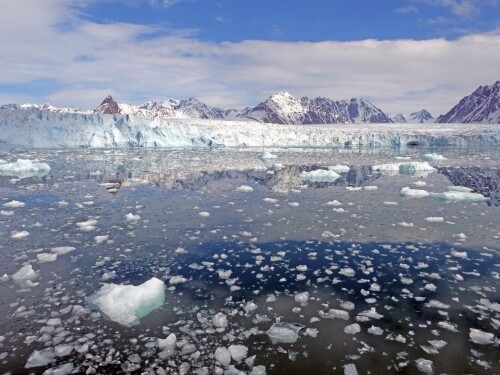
(406, 10)
(88, 60)
(463, 8)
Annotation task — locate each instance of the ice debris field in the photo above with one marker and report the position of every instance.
(249, 262)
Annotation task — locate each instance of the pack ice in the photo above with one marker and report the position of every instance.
(127, 304)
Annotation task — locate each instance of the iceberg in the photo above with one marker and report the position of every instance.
(405, 168)
(25, 273)
(127, 304)
(23, 168)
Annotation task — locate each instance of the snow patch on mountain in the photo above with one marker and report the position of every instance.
(420, 117)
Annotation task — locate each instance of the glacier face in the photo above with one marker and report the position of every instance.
(46, 129)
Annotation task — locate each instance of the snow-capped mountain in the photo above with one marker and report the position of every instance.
(41, 107)
(283, 108)
(422, 117)
(397, 118)
(186, 109)
(482, 106)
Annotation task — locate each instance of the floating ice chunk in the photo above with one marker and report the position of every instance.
(127, 304)
(459, 196)
(438, 344)
(238, 352)
(302, 297)
(177, 280)
(250, 306)
(425, 366)
(168, 345)
(335, 314)
(435, 219)
(348, 272)
(405, 224)
(312, 332)
(15, 235)
(130, 217)
(283, 332)
(301, 268)
(320, 175)
(420, 183)
(204, 214)
(404, 168)
(6, 213)
(372, 313)
(459, 254)
(431, 287)
(437, 304)
(352, 329)
(23, 168)
(433, 157)
(25, 273)
(62, 250)
(245, 189)
(460, 188)
(224, 274)
(101, 239)
(64, 369)
(46, 257)
(220, 320)
(267, 155)
(413, 193)
(448, 326)
(223, 356)
(480, 337)
(376, 331)
(294, 204)
(63, 350)
(339, 168)
(270, 200)
(350, 369)
(3, 278)
(108, 275)
(258, 370)
(14, 204)
(87, 226)
(370, 187)
(40, 358)
(335, 203)
(271, 298)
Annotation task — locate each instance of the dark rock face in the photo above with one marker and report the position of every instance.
(482, 106)
(109, 107)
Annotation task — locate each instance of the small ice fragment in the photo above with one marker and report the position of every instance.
(127, 304)
(425, 366)
(348, 272)
(433, 157)
(168, 345)
(335, 314)
(283, 332)
(40, 358)
(25, 273)
(177, 280)
(459, 196)
(459, 254)
(376, 331)
(204, 214)
(100, 239)
(339, 168)
(335, 203)
(46, 257)
(352, 329)
(413, 193)
(312, 332)
(220, 320)
(14, 204)
(267, 155)
(62, 250)
(223, 356)
(64, 369)
(245, 189)
(480, 337)
(238, 352)
(435, 219)
(302, 297)
(350, 369)
(224, 274)
(250, 306)
(258, 370)
(15, 235)
(130, 217)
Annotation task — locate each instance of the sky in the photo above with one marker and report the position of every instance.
(402, 55)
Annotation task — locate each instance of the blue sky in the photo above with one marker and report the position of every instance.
(303, 20)
(403, 55)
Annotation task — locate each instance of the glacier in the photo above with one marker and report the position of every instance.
(46, 129)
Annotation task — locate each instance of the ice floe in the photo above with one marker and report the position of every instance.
(127, 304)
(282, 332)
(320, 175)
(24, 168)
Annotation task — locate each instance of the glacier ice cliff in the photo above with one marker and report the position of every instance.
(45, 129)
